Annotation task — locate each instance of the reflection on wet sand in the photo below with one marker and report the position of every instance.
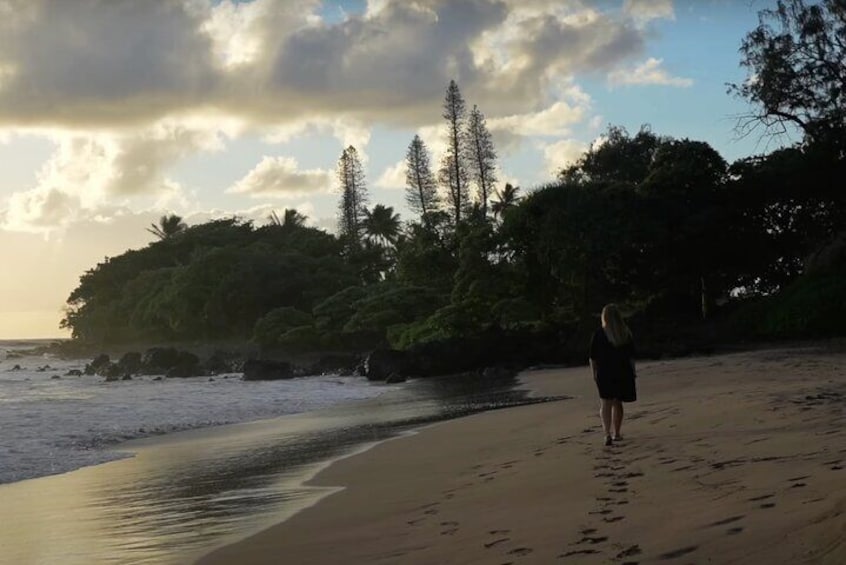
(184, 494)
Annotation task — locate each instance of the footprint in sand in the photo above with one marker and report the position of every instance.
(602, 512)
(725, 521)
(591, 540)
(618, 490)
(629, 552)
(611, 519)
(733, 531)
(521, 551)
(762, 497)
(496, 542)
(767, 505)
(620, 484)
(676, 553)
(587, 531)
(578, 552)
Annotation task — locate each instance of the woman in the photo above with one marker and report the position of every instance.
(612, 363)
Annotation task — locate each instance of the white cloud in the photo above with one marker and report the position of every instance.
(90, 170)
(647, 10)
(281, 177)
(562, 153)
(273, 62)
(648, 72)
(393, 177)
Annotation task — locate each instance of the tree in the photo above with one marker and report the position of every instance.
(796, 72)
(421, 189)
(381, 225)
(618, 158)
(453, 173)
(291, 218)
(168, 226)
(353, 206)
(481, 157)
(505, 199)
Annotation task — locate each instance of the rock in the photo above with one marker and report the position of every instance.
(157, 360)
(157, 379)
(126, 377)
(497, 373)
(217, 364)
(111, 370)
(111, 378)
(130, 363)
(340, 364)
(265, 370)
(16, 368)
(55, 377)
(97, 364)
(383, 362)
(188, 365)
(395, 378)
(73, 373)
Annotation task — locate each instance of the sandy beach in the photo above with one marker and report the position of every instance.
(733, 458)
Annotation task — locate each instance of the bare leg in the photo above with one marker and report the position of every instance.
(605, 415)
(618, 417)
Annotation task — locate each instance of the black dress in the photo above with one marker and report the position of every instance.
(615, 377)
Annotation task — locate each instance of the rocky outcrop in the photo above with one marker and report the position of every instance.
(157, 360)
(382, 363)
(130, 363)
(266, 370)
(98, 364)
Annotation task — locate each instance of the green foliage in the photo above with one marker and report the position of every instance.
(302, 338)
(213, 280)
(460, 319)
(796, 75)
(812, 306)
(277, 322)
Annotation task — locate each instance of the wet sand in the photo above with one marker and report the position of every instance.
(735, 458)
(182, 494)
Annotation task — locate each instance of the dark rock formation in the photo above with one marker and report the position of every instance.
(98, 364)
(265, 370)
(395, 378)
(381, 363)
(157, 360)
(130, 363)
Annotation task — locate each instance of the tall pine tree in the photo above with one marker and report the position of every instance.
(453, 172)
(421, 193)
(481, 157)
(353, 206)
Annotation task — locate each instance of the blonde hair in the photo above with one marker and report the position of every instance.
(615, 327)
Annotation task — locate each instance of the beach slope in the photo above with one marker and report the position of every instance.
(735, 458)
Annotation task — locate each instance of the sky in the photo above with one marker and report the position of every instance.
(115, 113)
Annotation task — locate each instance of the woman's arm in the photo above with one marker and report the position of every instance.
(593, 368)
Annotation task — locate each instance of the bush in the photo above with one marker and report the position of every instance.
(813, 306)
(270, 327)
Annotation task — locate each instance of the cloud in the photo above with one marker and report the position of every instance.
(89, 170)
(562, 153)
(271, 63)
(648, 72)
(393, 177)
(281, 177)
(647, 10)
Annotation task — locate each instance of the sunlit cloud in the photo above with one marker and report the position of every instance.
(281, 177)
(648, 72)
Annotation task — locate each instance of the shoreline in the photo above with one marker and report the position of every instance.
(518, 484)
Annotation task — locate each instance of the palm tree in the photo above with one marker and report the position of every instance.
(290, 218)
(168, 226)
(381, 225)
(505, 199)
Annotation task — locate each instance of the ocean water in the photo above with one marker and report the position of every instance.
(196, 485)
(54, 423)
